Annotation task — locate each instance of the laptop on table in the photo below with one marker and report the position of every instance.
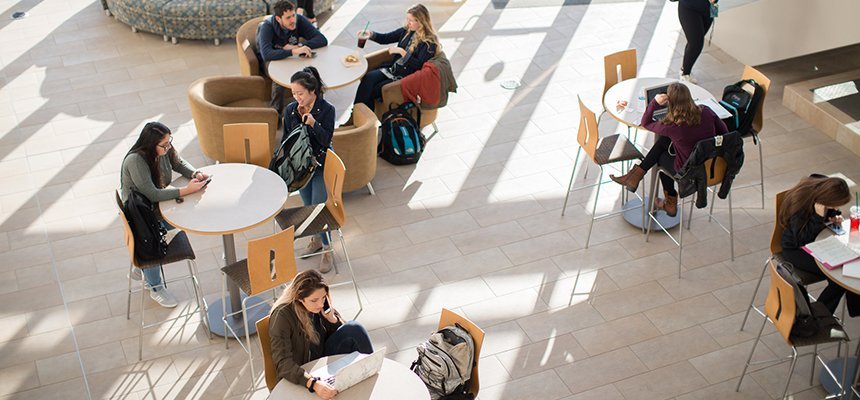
(351, 369)
(652, 92)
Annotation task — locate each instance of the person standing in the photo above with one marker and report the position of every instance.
(311, 109)
(416, 42)
(285, 34)
(147, 169)
(695, 18)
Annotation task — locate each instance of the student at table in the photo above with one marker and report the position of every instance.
(677, 134)
(805, 210)
(285, 34)
(416, 42)
(147, 169)
(302, 329)
(311, 109)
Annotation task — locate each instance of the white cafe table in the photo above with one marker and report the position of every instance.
(239, 197)
(394, 381)
(633, 92)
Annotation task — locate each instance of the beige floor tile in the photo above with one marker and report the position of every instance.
(18, 378)
(594, 257)
(544, 385)
(645, 269)
(600, 370)
(505, 211)
(616, 334)
(676, 346)
(543, 355)
(662, 383)
(420, 254)
(632, 300)
(504, 308)
(539, 247)
(439, 227)
(402, 283)
(389, 218)
(471, 265)
(529, 275)
(489, 237)
(686, 313)
(727, 363)
(72, 390)
(451, 295)
(560, 321)
(59, 368)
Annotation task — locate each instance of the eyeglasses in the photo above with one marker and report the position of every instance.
(168, 145)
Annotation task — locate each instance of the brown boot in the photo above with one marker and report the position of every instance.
(631, 179)
(670, 204)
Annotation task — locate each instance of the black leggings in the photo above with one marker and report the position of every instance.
(370, 88)
(831, 294)
(349, 337)
(308, 6)
(695, 25)
(659, 155)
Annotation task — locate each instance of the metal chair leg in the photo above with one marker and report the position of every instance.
(370, 189)
(749, 359)
(653, 204)
(731, 228)
(790, 371)
(142, 319)
(224, 309)
(351, 272)
(202, 307)
(128, 303)
(594, 207)
(681, 235)
(572, 177)
(248, 338)
(760, 166)
(752, 300)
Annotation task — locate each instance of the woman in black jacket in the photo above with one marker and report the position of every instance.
(695, 18)
(416, 42)
(804, 212)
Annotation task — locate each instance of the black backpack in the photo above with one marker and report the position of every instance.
(805, 320)
(294, 160)
(742, 104)
(401, 140)
(149, 234)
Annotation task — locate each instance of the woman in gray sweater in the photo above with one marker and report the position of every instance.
(147, 169)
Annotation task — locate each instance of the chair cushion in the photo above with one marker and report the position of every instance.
(178, 249)
(615, 148)
(324, 222)
(247, 103)
(238, 273)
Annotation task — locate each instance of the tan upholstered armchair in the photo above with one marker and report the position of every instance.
(391, 93)
(219, 100)
(246, 45)
(356, 146)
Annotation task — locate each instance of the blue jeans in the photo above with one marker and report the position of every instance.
(152, 274)
(314, 193)
(350, 337)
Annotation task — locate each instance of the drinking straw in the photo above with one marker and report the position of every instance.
(365, 26)
(856, 201)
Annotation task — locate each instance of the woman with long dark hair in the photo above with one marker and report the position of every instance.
(311, 109)
(416, 42)
(304, 326)
(684, 125)
(147, 168)
(805, 210)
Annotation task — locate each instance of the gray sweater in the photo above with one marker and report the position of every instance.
(135, 175)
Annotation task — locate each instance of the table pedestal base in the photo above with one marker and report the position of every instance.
(633, 215)
(827, 382)
(255, 313)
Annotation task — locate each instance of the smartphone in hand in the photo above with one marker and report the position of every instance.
(836, 228)
(326, 306)
(209, 179)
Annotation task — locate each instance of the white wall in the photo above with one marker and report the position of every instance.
(765, 31)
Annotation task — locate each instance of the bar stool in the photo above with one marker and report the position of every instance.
(758, 123)
(271, 263)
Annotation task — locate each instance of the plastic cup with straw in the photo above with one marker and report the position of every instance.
(363, 36)
(854, 214)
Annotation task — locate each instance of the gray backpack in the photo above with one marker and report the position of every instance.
(294, 160)
(445, 361)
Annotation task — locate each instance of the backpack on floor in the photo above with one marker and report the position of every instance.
(445, 362)
(294, 160)
(401, 140)
(741, 99)
(149, 234)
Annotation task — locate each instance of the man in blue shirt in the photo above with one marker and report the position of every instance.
(285, 34)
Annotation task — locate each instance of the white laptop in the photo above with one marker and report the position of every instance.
(351, 369)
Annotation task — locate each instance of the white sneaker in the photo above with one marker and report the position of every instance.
(135, 274)
(163, 297)
(689, 78)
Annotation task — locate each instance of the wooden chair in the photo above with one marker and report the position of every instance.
(392, 95)
(601, 151)
(247, 143)
(266, 350)
(618, 67)
(449, 318)
(329, 219)
(271, 263)
(178, 249)
(775, 249)
(758, 121)
(780, 308)
(356, 146)
(718, 166)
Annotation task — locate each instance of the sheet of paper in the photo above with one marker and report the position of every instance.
(721, 112)
(832, 251)
(851, 269)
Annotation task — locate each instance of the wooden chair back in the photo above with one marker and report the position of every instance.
(587, 136)
(779, 306)
(776, 237)
(764, 81)
(448, 318)
(271, 261)
(618, 67)
(334, 173)
(128, 236)
(719, 168)
(266, 350)
(247, 143)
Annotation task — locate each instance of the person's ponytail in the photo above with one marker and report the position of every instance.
(316, 74)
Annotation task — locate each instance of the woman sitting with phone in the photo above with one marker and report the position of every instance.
(304, 327)
(805, 211)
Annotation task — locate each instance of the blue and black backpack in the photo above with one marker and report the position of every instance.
(741, 99)
(401, 141)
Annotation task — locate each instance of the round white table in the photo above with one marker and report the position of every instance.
(239, 197)
(329, 63)
(633, 92)
(394, 381)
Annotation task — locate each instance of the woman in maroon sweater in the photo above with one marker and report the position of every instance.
(677, 134)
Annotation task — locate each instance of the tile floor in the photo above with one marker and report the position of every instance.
(475, 226)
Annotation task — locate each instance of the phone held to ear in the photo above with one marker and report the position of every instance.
(326, 306)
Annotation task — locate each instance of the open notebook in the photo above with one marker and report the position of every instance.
(831, 252)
